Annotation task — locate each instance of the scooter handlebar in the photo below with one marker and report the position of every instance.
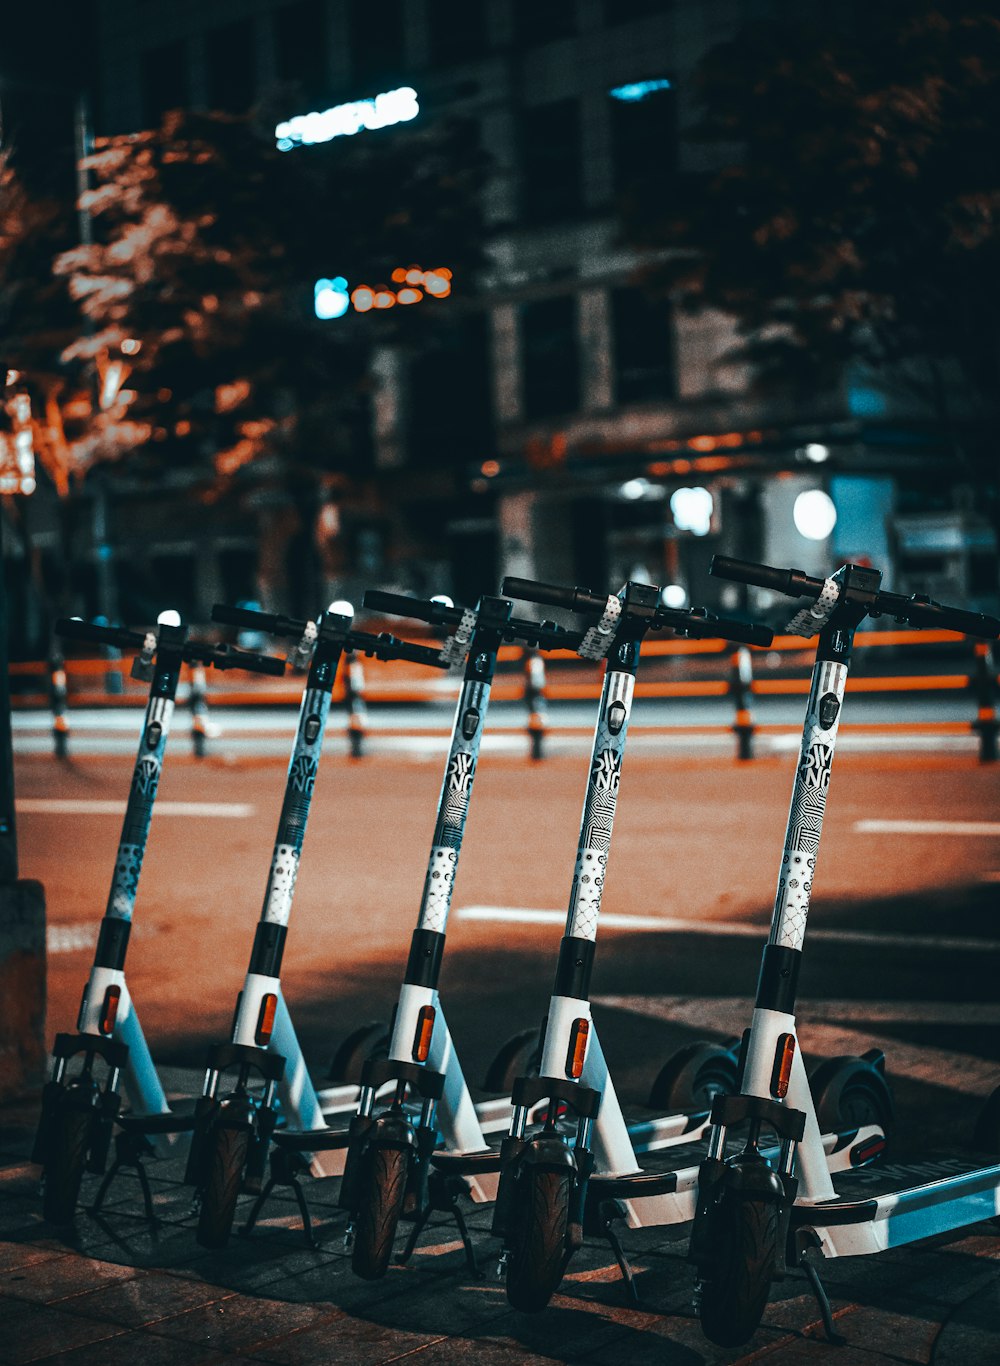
(792, 582)
(419, 609)
(386, 646)
(697, 622)
(72, 629)
(257, 621)
(915, 610)
(553, 595)
(228, 657)
(925, 612)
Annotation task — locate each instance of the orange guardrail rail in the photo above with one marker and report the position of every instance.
(523, 676)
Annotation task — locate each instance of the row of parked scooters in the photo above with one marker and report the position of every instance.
(770, 1167)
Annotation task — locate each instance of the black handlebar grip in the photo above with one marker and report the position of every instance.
(257, 621)
(420, 654)
(71, 629)
(939, 615)
(419, 609)
(743, 632)
(553, 595)
(792, 582)
(707, 627)
(226, 657)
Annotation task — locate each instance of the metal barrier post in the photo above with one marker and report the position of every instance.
(198, 702)
(57, 699)
(740, 688)
(357, 711)
(537, 704)
(985, 685)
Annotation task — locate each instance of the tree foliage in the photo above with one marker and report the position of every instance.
(853, 207)
(199, 282)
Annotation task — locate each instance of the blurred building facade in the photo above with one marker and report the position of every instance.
(572, 428)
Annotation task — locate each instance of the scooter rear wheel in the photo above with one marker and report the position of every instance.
(225, 1163)
(733, 1299)
(690, 1080)
(67, 1157)
(849, 1092)
(381, 1189)
(539, 1227)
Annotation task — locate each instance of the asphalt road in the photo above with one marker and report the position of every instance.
(905, 930)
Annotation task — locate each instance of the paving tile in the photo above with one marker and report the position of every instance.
(141, 1349)
(21, 1256)
(145, 1300)
(343, 1341)
(970, 1334)
(56, 1278)
(447, 1351)
(32, 1332)
(237, 1322)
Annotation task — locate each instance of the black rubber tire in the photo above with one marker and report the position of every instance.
(537, 1237)
(67, 1156)
(733, 1300)
(849, 1092)
(381, 1189)
(225, 1164)
(689, 1081)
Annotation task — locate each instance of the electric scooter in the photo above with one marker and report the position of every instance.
(386, 1174)
(79, 1111)
(553, 1194)
(759, 1213)
(233, 1134)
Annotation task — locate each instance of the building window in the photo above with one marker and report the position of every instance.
(450, 412)
(376, 41)
(231, 61)
(643, 348)
(624, 11)
(456, 31)
(165, 83)
(644, 138)
(550, 357)
(551, 162)
(300, 49)
(543, 21)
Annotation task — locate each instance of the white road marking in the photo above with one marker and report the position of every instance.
(82, 806)
(927, 827)
(665, 924)
(69, 938)
(820, 1034)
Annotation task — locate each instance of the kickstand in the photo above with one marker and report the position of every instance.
(463, 1230)
(129, 1154)
(812, 1275)
(256, 1208)
(419, 1224)
(625, 1266)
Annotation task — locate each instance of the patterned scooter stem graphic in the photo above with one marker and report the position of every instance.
(142, 1084)
(264, 974)
(482, 631)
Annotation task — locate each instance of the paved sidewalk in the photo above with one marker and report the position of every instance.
(112, 1290)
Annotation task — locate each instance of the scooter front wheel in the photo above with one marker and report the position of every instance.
(225, 1163)
(539, 1227)
(734, 1297)
(66, 1159)
(381, 1189)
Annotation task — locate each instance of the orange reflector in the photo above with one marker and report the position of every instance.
(422, 1038)
(265, 1020)
(109, 1009)
(783, 1056)
(577, 1050)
